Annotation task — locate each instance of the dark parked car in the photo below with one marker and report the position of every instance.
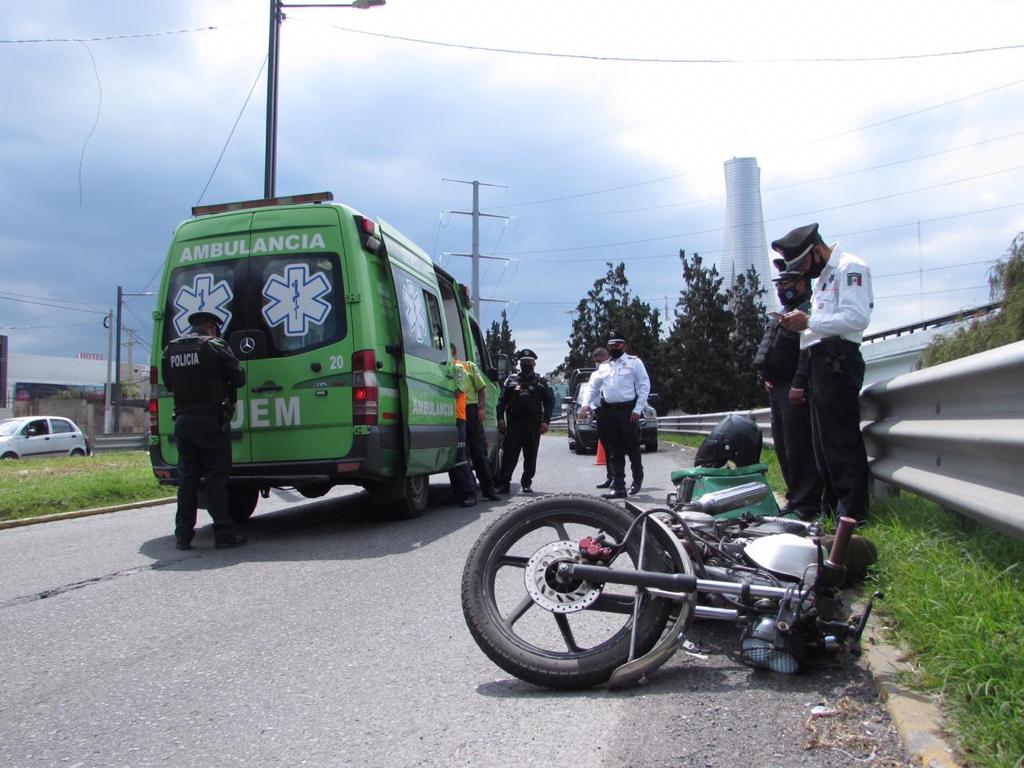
(583, 435)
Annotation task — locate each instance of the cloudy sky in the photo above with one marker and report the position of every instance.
(604, 125)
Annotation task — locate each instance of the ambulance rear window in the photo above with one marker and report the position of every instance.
(290, 303)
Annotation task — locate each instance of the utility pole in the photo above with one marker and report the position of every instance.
(273, 60)
(116, 389)
(117, 362)
(107, 414)
(475, 255)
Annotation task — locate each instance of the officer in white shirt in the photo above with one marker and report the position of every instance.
(830, 338)
(620, 387)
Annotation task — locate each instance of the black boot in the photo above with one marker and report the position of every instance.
(606, 484)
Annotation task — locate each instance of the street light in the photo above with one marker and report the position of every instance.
(276, 17)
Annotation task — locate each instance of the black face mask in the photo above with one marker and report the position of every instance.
(791, 295)
(526, 367)
(817, 266)
(615, 354)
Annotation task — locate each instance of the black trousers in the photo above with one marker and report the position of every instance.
(476, 443)
(204, 451)
(461, 477)
(836, 377)
(791, 433)
(621, 438)
(521, 434)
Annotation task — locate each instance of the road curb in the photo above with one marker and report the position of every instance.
(22, 521)
(917, 716)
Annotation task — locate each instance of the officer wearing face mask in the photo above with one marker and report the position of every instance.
(777, 361)
(526, 401)
(620, 387)
(830, 336)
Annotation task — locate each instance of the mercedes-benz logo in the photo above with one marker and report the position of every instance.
(247, 345)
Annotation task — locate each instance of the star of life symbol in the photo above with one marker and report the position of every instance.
(295, 299)
(206, 294)
(415, 311)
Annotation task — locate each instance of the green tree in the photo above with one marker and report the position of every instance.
(498, 339)
(1006, 286)
(698, 356)
(746, 303)
(609, 306)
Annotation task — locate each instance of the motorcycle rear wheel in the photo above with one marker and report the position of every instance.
(555, 647)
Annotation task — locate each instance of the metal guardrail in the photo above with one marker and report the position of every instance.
(120, 441)
(703, 423)
(953, 434)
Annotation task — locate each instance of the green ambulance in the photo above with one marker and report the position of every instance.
(343, 327)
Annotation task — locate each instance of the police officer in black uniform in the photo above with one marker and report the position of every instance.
(201, 371)
(528, 401)
(777, 361)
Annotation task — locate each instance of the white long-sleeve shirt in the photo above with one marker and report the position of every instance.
(619, 381)
(843, 300)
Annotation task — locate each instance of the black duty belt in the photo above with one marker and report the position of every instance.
(624, 404)
(831, 345)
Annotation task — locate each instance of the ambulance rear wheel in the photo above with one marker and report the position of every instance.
(242, 503)
(414, 502)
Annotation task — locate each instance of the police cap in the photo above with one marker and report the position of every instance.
(204, 318)
(527, 353)
(615, 337)
(794, 245)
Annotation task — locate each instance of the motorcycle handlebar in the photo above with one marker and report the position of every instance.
(837, 557)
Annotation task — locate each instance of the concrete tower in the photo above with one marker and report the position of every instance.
(745, 242)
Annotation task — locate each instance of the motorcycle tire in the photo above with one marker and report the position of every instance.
(540, 645)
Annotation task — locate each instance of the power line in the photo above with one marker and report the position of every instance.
(795, 146)
(46, 304)
(776, 218)
(233, 127)
(777, 187)
(644, 60)
(132, 36)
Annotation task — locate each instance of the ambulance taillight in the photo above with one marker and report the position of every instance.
(154, 415)
(364, 387)
(367, 229)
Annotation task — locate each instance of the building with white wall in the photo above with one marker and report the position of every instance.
(745, 243)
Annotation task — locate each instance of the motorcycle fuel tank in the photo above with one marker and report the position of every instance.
(784, 553)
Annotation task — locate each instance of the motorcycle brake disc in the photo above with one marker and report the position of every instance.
(545, 590)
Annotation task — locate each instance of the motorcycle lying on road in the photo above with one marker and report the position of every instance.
(570, 591)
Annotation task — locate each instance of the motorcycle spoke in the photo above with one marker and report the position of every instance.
(514, 561)
(518, 612)
(561, 530)
(563, 626)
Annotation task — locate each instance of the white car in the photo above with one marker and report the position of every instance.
(41, 436)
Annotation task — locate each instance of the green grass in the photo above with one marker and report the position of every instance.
(33, 487)
(954, 595)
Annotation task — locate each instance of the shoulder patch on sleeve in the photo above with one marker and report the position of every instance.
(854, 278)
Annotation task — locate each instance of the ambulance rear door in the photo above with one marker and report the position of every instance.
(296, 338)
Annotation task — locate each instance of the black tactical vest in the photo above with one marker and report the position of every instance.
(192, 370)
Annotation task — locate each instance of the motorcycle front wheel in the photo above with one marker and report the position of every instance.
(546, 633)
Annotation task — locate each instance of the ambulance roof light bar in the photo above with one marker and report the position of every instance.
(313, 197)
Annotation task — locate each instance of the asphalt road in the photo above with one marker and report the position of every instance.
(336, 638)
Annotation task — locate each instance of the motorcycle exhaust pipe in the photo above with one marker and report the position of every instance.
(729, 499)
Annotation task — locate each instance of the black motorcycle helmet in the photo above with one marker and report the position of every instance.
(735, 438)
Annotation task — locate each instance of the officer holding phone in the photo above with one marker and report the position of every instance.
(830, 335)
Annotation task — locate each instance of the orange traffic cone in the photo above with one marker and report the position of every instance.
(600, 460)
